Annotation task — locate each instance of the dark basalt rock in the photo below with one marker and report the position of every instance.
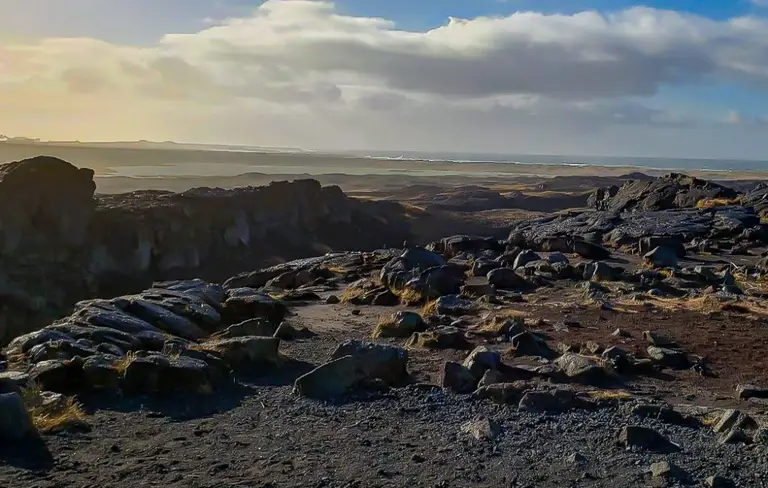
(671, 191)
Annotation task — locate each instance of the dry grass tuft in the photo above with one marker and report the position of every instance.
(716, 202)
(351, 293)
(337, 270)
(711, 418)
(69, 415)
(409, 296)
(620, 395)
(123, 363)
(429, 308)
(55, 416)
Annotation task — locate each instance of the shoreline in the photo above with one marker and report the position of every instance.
(106, 162)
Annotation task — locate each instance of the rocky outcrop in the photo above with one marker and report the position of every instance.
(671, 191)
(730, 225)
(60, 243)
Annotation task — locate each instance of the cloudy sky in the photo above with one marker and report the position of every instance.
(678, 78)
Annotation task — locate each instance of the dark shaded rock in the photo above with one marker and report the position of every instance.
(332, 300)
(386, 363)
(13, 381)
(648, 244)
(663, 413)
(440, 338)
(505, 279)
(645, 438)
(661, 257)
(457, 378)
(581, 368)
(554, 401)
(590, 250)
(482, 267)
(557, 257)
(332, 379)
(453, 305)
(287, 332)
(529, 344)
(245, 352)
(668, 472)
(491, 377)
(439, 281)
(402, 324)
(59, 376)
(671, 191)
(251, 327)
(246, 303)
(746, 392)
(15, 420)
(409, 265)
(480, 360)
(524, 258)
(22, 344)
(100, 373)
(477, 287)
(502, 393)
(719, 482)
(668, 357)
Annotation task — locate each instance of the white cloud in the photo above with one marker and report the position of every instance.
(294, 61)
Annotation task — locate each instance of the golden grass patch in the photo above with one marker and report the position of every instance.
(123, 363)
(620, 395)
(66, 416)
(429, 308)
(409, 296)
(716, 202)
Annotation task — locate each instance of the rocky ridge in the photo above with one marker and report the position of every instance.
(60, 243)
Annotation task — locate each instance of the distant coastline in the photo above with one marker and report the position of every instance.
(106, 158)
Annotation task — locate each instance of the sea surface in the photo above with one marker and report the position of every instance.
(608, 161)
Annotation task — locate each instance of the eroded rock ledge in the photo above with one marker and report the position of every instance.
(60, 242)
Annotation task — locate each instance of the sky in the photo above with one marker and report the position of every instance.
(665, 78)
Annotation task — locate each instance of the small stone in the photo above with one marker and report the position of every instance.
(288, 332)
(746, 392)
(669, 357)
(554, 401)
(417, 458)
(633, 436)
(491, 377)
(621, 333)
(356, 312)
(719, 482)
(482, 429)
(458, 378)
(481, 359)
(668, 471)
(332, 300)
(654, 339)
(576, 459)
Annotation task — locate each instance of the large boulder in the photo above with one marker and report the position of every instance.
(245, 352)
(386, 363)
(672, 191)
(246, 303)
(661, 257)
(332, 379)
(505, 279)
(15, 420)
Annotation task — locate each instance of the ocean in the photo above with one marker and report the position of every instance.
(655, 163)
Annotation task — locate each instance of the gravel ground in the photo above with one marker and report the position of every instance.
(408, 437)
(260, 435)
